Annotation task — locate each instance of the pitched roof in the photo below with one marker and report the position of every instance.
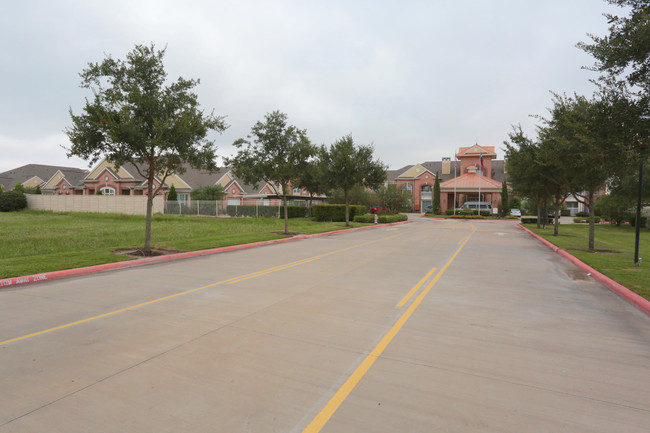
(471, 181)
(476, 150)
(21, 174)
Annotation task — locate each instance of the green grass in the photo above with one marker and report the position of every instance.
(614, 255)
(33, 242)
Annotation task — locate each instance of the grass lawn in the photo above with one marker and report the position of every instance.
(33, 242)
(614, 254)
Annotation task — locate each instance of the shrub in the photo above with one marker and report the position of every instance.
(171, 195)
(294, 211)
(583, 220)
(582, 214)
(381, 219)
(336, 212)
(12, 201)
(644, 221)
(528, 220)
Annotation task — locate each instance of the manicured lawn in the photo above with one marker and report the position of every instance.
(614, 254)
(36, 241)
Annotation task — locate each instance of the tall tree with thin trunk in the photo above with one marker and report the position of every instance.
(505, 207)
(135, 116)
(276, 153)
(435, 207)
(348, 165)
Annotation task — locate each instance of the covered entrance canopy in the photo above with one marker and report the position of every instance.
(470, 186)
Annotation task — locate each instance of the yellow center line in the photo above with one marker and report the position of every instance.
(415, 288)
(326, 413)
(153, 301)
(271, 270)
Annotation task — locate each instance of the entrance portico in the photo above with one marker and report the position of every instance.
(475, 181)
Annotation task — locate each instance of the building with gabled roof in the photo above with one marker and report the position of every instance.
(473, 175)
(36, 175)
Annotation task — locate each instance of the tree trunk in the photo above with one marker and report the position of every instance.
(286, 211)
(147, 229)
(539, 214)
(592, 221)
(347, 209)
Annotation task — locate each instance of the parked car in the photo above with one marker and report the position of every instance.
(515, 212)
(476, 205)
(377, 209)
(428, 209)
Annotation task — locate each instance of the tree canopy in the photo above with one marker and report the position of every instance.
(348, 165)
(136, 117)
(274, 152)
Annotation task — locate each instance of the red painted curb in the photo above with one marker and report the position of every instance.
(28, 279)
(612, 285)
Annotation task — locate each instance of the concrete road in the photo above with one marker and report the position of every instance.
(432, 326)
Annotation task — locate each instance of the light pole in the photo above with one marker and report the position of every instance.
(637, 221)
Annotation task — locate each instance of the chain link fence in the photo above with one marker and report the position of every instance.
(222, 208)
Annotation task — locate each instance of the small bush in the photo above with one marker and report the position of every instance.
(583, 220)
(582, 214)
(528, 220)
(644, 221)
(336, 212)
(12, 201)
(381, 219)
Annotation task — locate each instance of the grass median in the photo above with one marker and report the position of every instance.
(38, 241)
(614, 255)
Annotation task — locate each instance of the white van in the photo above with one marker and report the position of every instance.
(474, 205)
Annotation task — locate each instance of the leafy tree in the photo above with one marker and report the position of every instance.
(623, 59)
(514, 203)
(588, 141)
(436, 196)
(505, 206)
(276, 153)
(615, 209)
(136, 117)
(313, 179)
(348, 165)
(209, 192)
(393, 197)
(172, 195)
(358, 195)
(19, 187)
(526, 171)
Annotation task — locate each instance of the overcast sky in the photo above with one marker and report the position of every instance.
(417, 79)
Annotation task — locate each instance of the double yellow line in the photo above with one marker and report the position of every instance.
(326, 413)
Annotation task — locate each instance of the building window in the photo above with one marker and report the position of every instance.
(409, 187)
(107, 190)
(296, 191)
(182, 198)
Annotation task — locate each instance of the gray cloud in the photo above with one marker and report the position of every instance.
(416, 78)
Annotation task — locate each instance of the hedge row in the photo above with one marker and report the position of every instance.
(335, 212)
(265, 211)
(381, 219)
(12, 201)
(585, 220)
